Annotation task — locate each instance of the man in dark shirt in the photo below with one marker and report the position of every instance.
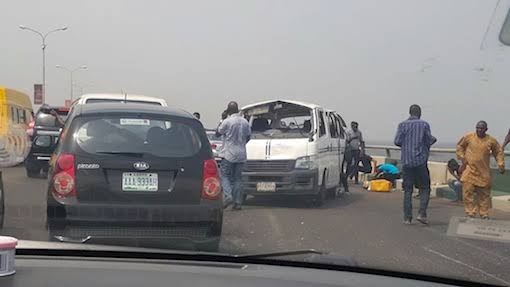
(415, 139)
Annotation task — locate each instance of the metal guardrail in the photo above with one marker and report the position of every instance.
(389, 148)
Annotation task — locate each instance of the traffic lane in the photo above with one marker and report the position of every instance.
(368, 227)
(25, 205)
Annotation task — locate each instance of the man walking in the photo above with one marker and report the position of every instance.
(236, 132)
(355, 146)
(474, 151)
(415, 139)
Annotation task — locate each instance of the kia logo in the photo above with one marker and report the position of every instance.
(141, 165)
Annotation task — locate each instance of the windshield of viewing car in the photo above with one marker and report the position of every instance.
(375, 132)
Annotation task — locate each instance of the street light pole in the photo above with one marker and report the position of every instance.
(71, 72)
(43, 38)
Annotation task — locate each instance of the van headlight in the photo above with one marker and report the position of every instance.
(306, 162)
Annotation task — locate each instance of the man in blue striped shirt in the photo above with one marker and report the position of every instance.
(415, 139)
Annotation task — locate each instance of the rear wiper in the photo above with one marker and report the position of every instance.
(279, 254)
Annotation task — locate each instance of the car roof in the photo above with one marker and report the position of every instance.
(304, 104)
(105, 108)
(131, 97)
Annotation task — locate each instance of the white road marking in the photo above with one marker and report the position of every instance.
(466, 265)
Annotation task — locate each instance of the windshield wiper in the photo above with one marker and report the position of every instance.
(279, 254)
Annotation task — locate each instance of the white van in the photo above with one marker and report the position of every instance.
(295, 149)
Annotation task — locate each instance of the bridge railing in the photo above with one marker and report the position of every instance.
(500, 182)
(389, 148)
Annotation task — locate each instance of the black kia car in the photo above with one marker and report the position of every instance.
(134, 173)
(44, 131)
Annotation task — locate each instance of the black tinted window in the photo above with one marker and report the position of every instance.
(47, 120)
(165, 138)
(322, 124)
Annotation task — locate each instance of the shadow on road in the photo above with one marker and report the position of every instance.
(302, 202)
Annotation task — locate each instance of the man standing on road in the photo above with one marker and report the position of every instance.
(355, 147)
(236, 132)
(474, 151)
(415, 139)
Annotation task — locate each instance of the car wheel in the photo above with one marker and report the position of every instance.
(320, 197)
(33, 170)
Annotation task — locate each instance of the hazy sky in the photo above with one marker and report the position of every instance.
(367, 59)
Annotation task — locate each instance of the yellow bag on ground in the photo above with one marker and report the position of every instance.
(380, 185)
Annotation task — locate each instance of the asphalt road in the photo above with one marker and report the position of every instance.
(363, 225)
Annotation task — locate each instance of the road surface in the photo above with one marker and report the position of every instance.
(364, 225)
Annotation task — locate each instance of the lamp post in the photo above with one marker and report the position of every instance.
(43, 38)
(71, 72)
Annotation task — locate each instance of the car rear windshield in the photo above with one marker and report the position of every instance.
(119, 134)
(93, 101)
(47, 120)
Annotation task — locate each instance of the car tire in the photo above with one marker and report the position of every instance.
(33, 169)
(320, 198)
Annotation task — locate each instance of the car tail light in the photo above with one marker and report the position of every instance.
(211, 187)
(64, 180)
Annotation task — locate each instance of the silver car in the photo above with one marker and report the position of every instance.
(216, 142)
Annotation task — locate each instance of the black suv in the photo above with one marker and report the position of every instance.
(44, 132)
(134, 173)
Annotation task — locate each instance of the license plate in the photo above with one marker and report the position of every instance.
(266, 186)
(139, 181)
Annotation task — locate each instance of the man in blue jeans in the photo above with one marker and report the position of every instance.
(415, 139)
(235, 131)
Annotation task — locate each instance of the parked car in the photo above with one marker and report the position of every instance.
(134, 172)
(295, 149)
(102, 98)
(44, 132)
(215, 141)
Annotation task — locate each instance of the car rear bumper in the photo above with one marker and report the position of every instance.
(36, 161)
(94, 222)
(296, 182)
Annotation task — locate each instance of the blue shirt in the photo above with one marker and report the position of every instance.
(388, 168)
(236, 132)
(415, 139)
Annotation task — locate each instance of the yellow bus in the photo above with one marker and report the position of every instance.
(15, 114)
